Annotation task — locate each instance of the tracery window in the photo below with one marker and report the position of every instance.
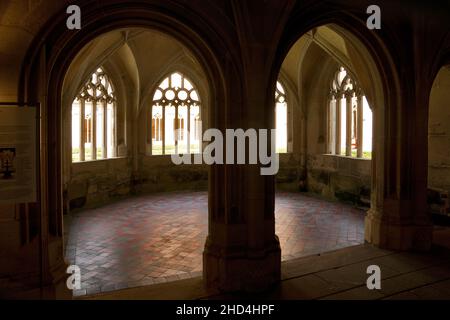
(281, 119)
(350, 118)
(176, 117)
(94, 120)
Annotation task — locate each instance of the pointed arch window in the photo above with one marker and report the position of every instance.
(281, 118)
(176, 117)
(350, 118)
(94, 120)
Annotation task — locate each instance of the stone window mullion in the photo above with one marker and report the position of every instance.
(188, 128)
(360, 124)
(349, 113)
(338, 125)
(82, 129)
(94, 130)
(105, 129)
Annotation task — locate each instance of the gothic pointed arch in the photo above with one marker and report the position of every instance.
(349, 118)
(94, 119)
(176, 118)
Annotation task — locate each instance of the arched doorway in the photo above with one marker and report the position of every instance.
(54, 67)
(333, 46)
(131, 217)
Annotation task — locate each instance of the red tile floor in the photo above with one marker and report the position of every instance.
(159, 238)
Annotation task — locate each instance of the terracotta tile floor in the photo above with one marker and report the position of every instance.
(307, 225)
(159, 238)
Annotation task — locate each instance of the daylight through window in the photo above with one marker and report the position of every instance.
(94, 120)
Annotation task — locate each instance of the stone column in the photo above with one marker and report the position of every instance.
(83, 130)
(94, 130)
(398, 218)
(52, 266)
(331, 125)
(105, 130)
(359, 127)
(349, 106)
(338, 125)
(114, 129)
(242, 251)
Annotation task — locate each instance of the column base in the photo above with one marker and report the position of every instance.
(29, 288)
(58, 289)
(234, 269)
(397, 236)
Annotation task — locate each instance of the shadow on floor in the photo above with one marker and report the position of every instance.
(338, 275)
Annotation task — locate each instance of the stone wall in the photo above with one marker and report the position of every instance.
(333, 177)
(340, 178)
(159, 174)
(97, 182)
(291, 175)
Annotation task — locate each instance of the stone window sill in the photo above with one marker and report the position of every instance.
(99, 160)
(345, 157)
